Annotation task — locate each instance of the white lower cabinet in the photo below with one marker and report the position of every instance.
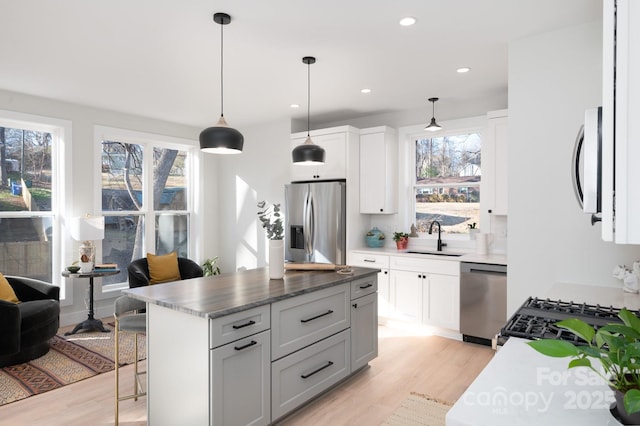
(425, 291)
(304, 374)
(442, 296)
(384, 297)
(240, 381)
(406, 295)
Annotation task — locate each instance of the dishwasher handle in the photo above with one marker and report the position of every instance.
(482, 268)
(485, 272)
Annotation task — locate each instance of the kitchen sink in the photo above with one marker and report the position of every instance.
(435, 253)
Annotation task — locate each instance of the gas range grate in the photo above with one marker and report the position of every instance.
(536, 319)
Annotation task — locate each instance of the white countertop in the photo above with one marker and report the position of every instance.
(497, 259)
(520, 386)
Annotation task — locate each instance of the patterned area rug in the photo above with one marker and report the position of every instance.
(70, 359)
(419, 409)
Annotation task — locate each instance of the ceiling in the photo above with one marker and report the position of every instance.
(161, 58)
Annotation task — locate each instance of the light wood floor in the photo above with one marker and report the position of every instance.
(409, 360)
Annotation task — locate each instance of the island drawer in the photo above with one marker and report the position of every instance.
(304, 374)
(363, 286)
(236, 326)
(303, 320)
(369, 260)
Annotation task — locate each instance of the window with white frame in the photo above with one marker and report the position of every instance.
(447, 181)
(30, 196)
(146, 199)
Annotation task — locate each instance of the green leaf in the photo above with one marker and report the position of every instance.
(579, 328)
(580, 362)
(589, 351)
(613, 342)
(632, 401)
(554, 348)
(624, 330)
(630, 319)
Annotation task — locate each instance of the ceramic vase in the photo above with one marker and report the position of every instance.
(86, 267)
(276, 259)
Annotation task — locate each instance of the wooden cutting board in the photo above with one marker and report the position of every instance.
(312, 266)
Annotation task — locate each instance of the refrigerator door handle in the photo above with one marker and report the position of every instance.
(308, 224)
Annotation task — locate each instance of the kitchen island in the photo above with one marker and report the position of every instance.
(242, 349)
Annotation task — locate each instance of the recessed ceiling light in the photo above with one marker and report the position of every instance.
(295, 106)
(408, 21)
(462, 70)
(365, 90)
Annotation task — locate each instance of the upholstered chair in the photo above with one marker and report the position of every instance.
(139, 271)
(26, 327)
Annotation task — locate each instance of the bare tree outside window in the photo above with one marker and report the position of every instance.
(26, 177)
(124, 194)
(447, 186)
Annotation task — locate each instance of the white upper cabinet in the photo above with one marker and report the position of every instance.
(335, 142)
(494, 165)
(620, 124)
(378, 170)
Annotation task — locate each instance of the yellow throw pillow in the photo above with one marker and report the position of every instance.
(163, 268)
(6, 291)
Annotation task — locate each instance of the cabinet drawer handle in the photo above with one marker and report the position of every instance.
(362, 287)
(317, 316)
(327, 365)
(355, 305)
(239, 348)
(236, 327)
(370, 260)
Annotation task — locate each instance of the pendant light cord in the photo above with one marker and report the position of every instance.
(222, 70)
(308, 97)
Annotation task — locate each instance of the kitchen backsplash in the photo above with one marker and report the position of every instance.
(497, 241)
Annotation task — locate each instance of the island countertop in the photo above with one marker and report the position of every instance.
(221, 295)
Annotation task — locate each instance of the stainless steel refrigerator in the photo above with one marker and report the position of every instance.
(315, 216)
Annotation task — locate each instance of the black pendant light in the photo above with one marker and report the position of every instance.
(433, 126)
(308, 153)
(220, 138)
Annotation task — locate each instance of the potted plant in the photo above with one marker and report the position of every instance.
(616, 346)
(210, 268)
(271, 219)
(401, 239)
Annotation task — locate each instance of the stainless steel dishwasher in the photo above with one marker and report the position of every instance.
(483, 301)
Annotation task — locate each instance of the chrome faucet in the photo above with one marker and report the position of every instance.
(440, 243)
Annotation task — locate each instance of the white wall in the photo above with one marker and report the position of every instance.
(553, 78)
(83, 198)
(259, 173)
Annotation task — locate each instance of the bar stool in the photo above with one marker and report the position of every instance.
(128, 320)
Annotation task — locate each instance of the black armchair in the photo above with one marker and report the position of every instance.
(26, 327)
(139, 271)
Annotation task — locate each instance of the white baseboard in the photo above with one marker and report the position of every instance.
(73, 318)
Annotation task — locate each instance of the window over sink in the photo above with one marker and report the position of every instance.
(447, 181)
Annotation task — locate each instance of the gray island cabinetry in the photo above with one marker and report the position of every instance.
(240, 349)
